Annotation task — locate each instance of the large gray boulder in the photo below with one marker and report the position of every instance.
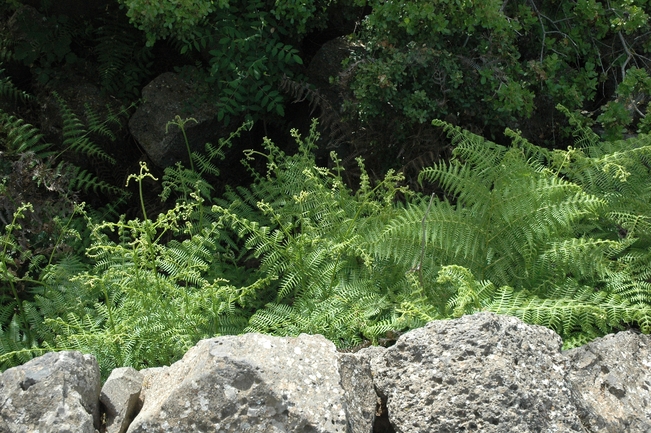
(483, 372)
(57, 392)
(167, 96)
(255, 383)
(613, 377)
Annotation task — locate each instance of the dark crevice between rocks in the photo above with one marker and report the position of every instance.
(382, 423)
(105, 412)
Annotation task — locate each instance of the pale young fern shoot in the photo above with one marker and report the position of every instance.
(154, 296)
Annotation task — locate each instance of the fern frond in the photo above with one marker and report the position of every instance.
(204, 164)
(76, 135)
(585, 137)
(583, 258)
(329, 116)
(460, 181)
(19, 137)
(10, 92)
(471, 295)
(633, 290)
(184, 182)
(86, 181)
(123, 58)
(101, 124)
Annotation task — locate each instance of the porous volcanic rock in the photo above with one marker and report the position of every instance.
(56, 392)
(483, 372)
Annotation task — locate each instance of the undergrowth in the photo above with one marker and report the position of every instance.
(557, 238)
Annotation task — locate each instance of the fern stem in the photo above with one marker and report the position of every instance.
(419, 267)
(60, 237)
(142, 201)
(180, 123)
(19, 213)
(187, 147)
(144, 172)
(21, 311)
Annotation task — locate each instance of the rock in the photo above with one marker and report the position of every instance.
(120, 398)
(359, 393)
(57, 392)
(254, 383)
(166, 97)
(613, 376)
(483, 372)
(327, 64)
(381, 423)
(332, 92)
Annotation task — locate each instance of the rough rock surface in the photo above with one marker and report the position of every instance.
(251, 383)
(166, 97)
(484, 372)
(613, 375)
(326, 64)
(359, 392)
(120, 398)
(57, 392)
(330, 95)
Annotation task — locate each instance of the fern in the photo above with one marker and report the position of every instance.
(536, 229)
(84, 180)
(556, 238)
(183, 181)
(76, 134)
(329, 117)
(9, 91)
(20, 137)
(123, 58)
(25, 278)
(152, 299)
(78, 139)
(309, 232)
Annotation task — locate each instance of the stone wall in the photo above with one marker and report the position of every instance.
(484, 373)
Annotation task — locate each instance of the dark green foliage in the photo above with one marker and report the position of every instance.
(557, 238)
(45, 42)
(78, 138)
(160, 20)
(8, 91)
(76, 134)
(248, 58)
(494, 63)
(124, 61)
(247, 45)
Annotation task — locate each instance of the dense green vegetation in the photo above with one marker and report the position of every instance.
(558, 238)
(553, 228)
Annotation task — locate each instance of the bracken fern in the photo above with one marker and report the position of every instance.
(537, 229)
